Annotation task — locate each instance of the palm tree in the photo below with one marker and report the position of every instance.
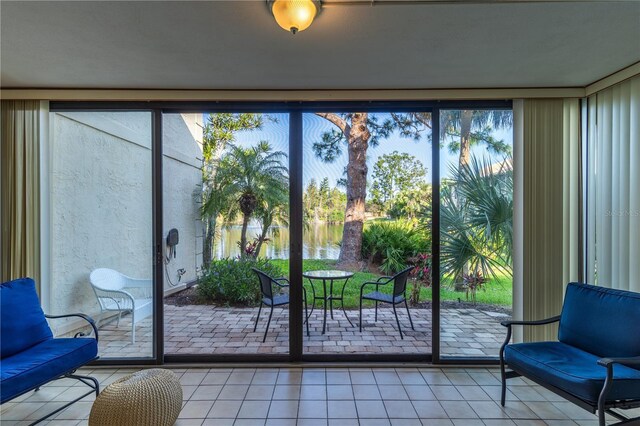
(466, 128)
(217, 201)
(463, 128)
(219, 131)
(274, 209)
(477, 218)
(252, 175)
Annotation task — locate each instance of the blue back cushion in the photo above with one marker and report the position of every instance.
(602, 321)
(22, 322)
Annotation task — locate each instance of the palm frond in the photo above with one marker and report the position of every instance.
(477, 218)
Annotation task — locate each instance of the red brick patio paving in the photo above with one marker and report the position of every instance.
(202, 329)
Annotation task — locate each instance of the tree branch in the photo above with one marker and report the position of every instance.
(422, 118)
(329, 149)
(340, 122)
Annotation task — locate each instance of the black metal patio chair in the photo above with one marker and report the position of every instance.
(272, 299)
(396, 297)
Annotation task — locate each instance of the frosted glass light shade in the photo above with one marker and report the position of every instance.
(294, 15)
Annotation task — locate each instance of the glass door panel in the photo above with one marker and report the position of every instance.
(476, 223)
(366, 209)
(226, 195)
(101, 227)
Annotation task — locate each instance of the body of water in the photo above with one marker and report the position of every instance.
(320, 241)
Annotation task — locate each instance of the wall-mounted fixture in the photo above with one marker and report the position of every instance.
(294, 15)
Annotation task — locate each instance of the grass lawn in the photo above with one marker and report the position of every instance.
(497, 291)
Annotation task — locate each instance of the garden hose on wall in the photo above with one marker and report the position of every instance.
(171, 249)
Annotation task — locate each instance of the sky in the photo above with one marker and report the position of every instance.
(276, 132)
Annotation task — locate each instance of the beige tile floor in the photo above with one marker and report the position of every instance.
(332, 396)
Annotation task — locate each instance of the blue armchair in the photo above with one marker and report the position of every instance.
(29, 354)
(596, 361)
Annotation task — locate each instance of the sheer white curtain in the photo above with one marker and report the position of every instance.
(613, 187)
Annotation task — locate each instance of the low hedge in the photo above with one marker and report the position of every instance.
(232, 282)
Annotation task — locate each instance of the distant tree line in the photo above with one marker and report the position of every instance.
(322, 203)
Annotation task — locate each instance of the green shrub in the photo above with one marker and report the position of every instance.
(231, 281)
(391, 244)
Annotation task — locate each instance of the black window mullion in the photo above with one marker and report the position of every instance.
(158, 277)
(435, 234)
(295, 235)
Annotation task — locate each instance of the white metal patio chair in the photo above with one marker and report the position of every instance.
(117, 292)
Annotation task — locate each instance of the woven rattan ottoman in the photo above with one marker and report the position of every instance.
(149, 397)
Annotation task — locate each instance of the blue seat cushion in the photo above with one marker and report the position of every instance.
(572, 370)
(281, 299)
(42, 363)
(22, 322)
(383, 297)
(601, 321)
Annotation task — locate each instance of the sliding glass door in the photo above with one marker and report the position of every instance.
(476, 230)
(101, 228)
(284, 232)
(225, 217)
(367, 245)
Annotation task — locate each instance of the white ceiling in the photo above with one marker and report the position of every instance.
(237, 45)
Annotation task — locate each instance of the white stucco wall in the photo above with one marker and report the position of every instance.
(182, 177)
(101, 200)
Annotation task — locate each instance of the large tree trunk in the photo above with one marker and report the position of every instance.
(358, 142)
(465, 138)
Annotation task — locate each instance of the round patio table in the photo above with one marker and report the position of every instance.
(327, 296)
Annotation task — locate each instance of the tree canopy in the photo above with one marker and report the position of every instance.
(221, 128)
(393, 174)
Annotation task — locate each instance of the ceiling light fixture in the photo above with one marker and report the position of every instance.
(294, 15)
